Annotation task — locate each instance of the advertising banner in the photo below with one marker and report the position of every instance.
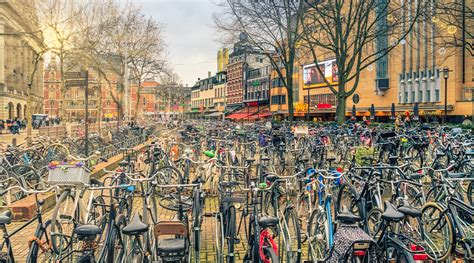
(312, 78)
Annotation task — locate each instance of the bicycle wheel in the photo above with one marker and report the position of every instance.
(219, 241)
(394, 253)
(292, 236)
(116, 244)
(40, 242)
(470, 193)
(169, 175)
(268, 205)
(438, 232)
(55, 152)
(196, 211)
(374, 222)
(63, 222)
(230, 233)
(317, 235)
(349, 197)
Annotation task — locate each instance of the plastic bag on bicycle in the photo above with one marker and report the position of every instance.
(347, 239)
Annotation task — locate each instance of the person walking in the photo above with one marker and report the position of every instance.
(398, 123)
(2, 126)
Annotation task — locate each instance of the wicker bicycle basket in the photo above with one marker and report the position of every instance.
(67, 174)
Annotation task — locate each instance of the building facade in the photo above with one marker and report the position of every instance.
(17, 54)
(99, 97)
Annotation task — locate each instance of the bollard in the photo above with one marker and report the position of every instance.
(14, 142)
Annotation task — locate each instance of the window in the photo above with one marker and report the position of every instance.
(406, 96)
(437, 95)
(428, 95)
(420, 96)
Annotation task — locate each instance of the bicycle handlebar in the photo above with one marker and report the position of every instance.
(31, 191)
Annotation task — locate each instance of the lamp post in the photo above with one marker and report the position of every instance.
(445, 76)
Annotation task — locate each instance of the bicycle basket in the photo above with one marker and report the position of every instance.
(67, 174)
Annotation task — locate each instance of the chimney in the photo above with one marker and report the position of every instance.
(208, 74)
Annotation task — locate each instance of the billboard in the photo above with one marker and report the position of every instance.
(312, 78)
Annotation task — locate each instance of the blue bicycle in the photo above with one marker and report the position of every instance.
(320, 228)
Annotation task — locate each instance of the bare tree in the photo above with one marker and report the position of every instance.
(355, 34)
(151, 60)
(272, 27)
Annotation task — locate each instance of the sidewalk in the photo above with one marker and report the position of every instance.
(7, 138)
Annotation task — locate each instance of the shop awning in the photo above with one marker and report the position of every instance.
(215, 114)
(262, 114)
(243, 113)
(237, 116)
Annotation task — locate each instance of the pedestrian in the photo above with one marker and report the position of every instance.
(407, 121)
(2, 126)
(365, 121)
(398, 123)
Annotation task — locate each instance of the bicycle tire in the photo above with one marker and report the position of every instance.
(219, 244)
(33, 255)
(447, 232)
(317, 247)
(470, 193)
(292, 222)
(66, 235)
(397, 254)
(354, 206)
(230, 233)
(374, 221)
(197, 206)
(272, 256)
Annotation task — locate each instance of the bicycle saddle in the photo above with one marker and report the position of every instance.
(267, 221)
(135, 227)
(6, 217)
(87, 232)
(331, 159)
(391, 213)
(264, 158)
(171, 245)
(409, 210)
(347, 217)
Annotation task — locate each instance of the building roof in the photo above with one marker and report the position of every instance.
(150, 83)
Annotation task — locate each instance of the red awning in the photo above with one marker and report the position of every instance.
(264, 113)
(237, 116)
(243, 113)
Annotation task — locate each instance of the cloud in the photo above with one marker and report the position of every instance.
(188, 34)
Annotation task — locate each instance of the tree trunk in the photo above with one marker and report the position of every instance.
(99, 111)
(62, 105)
(138, 100)
(289, 91)
(341, 108)
(290, 104)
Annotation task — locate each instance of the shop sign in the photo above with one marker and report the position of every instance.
(323, 106)
(301, 107)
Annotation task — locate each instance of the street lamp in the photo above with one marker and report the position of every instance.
(445, 76)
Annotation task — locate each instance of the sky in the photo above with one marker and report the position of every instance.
(189, 35)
